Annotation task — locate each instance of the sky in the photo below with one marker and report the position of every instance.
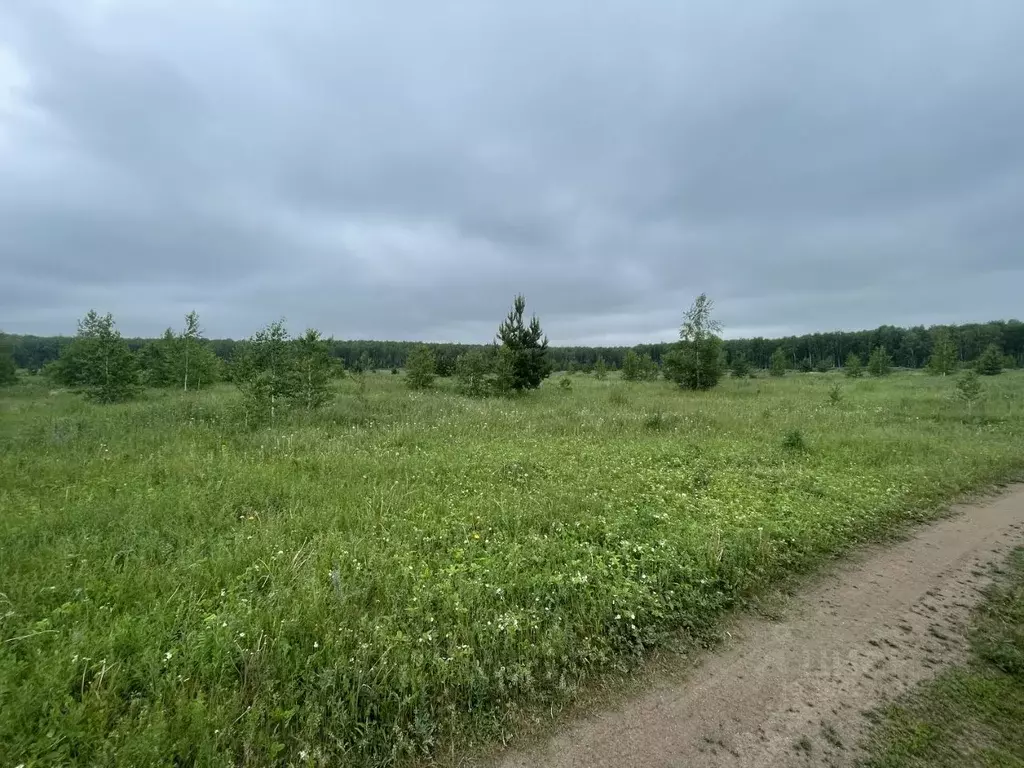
(398, 169)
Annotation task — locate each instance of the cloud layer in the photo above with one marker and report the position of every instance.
(399, 169)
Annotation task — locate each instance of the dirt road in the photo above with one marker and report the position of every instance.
(792, 692)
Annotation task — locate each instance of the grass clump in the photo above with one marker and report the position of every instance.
(794, 440)
(394, 573)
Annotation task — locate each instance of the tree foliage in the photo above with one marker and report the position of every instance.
(638, 367)
(854, 369)
(880, 362)
(184, 360)
(631, 370)
(98, 362)
(968, 389)
(421, 368)
(943, 358)
(8, 370)
(740, 366)
(312, 371)
(600, 369)
(696, 361)
(779, 362)
(523, 364)
(472, 372)
(991, 361)
(264, 373)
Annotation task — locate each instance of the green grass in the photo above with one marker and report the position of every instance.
(407, 571)
(971, 715)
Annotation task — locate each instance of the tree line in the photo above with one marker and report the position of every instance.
(909, 348)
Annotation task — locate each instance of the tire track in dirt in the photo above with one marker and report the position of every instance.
(792, 692)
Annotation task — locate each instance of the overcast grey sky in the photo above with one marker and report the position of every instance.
(399, 169)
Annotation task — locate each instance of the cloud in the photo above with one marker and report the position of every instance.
(400, 170)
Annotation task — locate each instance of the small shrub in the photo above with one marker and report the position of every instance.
(565, 384)
(658, 421)
(472, 370)
(990, 363)
(740, 367)
(421, 368)
(835, 394)
(618, 397)
(968, 389)
(880, 362)
(853, 368)
(794, 440)
(779, 362)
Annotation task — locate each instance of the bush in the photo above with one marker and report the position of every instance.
(835, 394)
(968, 389)
(471, 374)
(618, 397)
(779, 362)
(990, 363)
(421, 367)
(794, 440)
(740, 366)
(853, 368)
(880, 362)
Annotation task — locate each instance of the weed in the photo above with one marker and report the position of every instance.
(657, 421)
(793, 440)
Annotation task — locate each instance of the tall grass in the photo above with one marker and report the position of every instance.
(406, 569)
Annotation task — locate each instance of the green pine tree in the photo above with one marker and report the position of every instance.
(525, 363)
(740, 366)
(968, 389)
(600, 369)
(990, 362)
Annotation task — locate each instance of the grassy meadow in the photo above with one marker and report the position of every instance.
(403, 572)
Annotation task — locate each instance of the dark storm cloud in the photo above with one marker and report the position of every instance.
(400, 169)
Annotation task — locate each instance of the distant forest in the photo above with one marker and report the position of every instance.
(909, 347)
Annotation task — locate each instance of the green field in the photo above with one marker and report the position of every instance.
(408, 571)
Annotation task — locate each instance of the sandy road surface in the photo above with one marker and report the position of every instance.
(791, 692)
